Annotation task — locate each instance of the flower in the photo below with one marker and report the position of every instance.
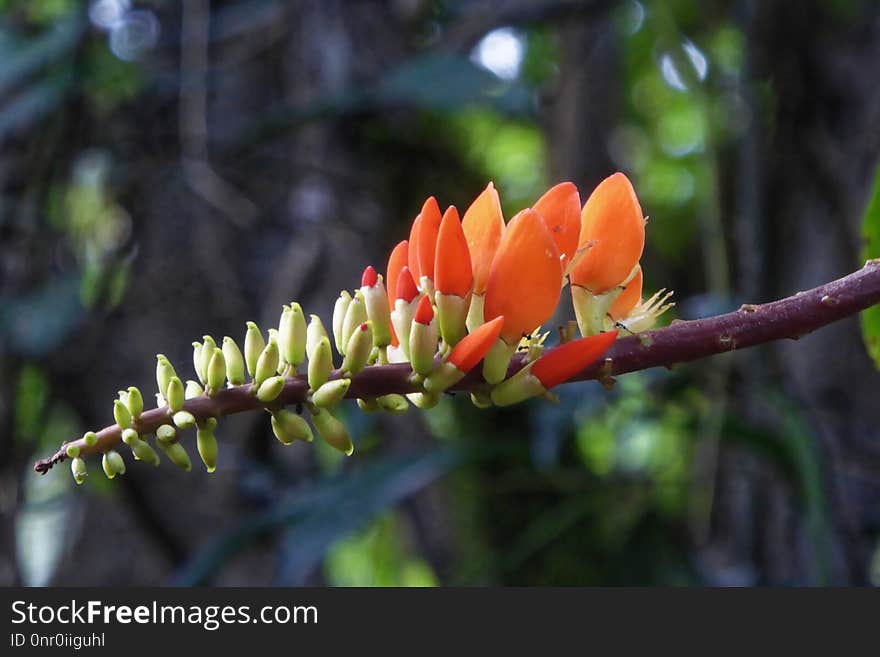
(464, 356)
(560, 208)
(483, 225)
(454, 278)
(423, 244)
(524, 285)
(398, 259)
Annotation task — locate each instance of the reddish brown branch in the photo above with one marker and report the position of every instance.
(751, 325)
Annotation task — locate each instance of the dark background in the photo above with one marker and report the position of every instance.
(173, 169)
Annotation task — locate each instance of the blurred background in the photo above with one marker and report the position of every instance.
(170, 169)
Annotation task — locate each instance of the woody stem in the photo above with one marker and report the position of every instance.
(680, 342)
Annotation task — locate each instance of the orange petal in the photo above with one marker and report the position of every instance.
(525, 278)
(424, 311)
(472, 347)
(560, 208)
(628, 299)
(452, 264)
(612, 220)
(406, 287)
(396, 261)
(483, 225)
(427, 245)
(561, 363)
(413, 252)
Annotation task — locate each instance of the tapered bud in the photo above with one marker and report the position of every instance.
(205, 355)
(90, 438)
(166, 434)
(295, 341)
(141, 450)
(331, 393)
(355, 315)
(183, 419)
(393, 403)
(79, 470)
(197, 361)
(177, 455)
(405, 304)
(333, 431)
(193, 390)
(497, 360)
(378, 311)
(320, 363)
(135, 402)
(113, 464)
(216, 371)
(270, 389)
(253, 347)
(121, 414)
(340, 309)
(314, 333)
(175, 394)
(267, 363)
(368, 405)
(206, 443)
(423, 338)
(288, 427)
(465, 356)
(357, 352)
(72, 451)
(424, 400)
(234, 361)
(164, 372)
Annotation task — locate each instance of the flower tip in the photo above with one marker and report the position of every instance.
(475, 345)
(424, 312)
(563, 362)
(406, 285)
(370, 277)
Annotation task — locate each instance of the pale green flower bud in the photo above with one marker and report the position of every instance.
(193, 390)
(135, 402)
(166, 434)
(320, 363)
(423, 346)
(357, 351)
(123, 396)
(270, 389)
(331, 393)
(174, 395)
(295, 344)
(234, 361)
(72, 451)
(79, 470)
(197, 361)
(206, 443)
(143, 452)
(177, 455)
(130, 437)
(164, 372)
(497, 360)
(355, 316)
(288, 427)
(254, 344)
(519, 387)
(282, 334)
(339, 311)
(90, 438)
(183, 420)
(424, 400)
(394, 403)
(121, 414)
(332, 430)
(267, 363)
(368, 405)
(216, 371)
(314, 332)
(112, 463)
(205, 356)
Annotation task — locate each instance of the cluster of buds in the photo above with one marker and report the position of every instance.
(459, 293)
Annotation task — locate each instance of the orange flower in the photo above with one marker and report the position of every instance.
(412, 257)
(427, 238)
(452, 264)
(525, 278)
(561, 363)
(560, 208)
(613, 227)
(474, 346)
(483, 225)
(396, 261)
(628, 299)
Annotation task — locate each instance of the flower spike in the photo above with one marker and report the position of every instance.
(554, 367)
(524, 285)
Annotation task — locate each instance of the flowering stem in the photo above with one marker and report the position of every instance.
(683, 341)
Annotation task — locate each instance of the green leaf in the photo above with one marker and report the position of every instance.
(870, 318)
